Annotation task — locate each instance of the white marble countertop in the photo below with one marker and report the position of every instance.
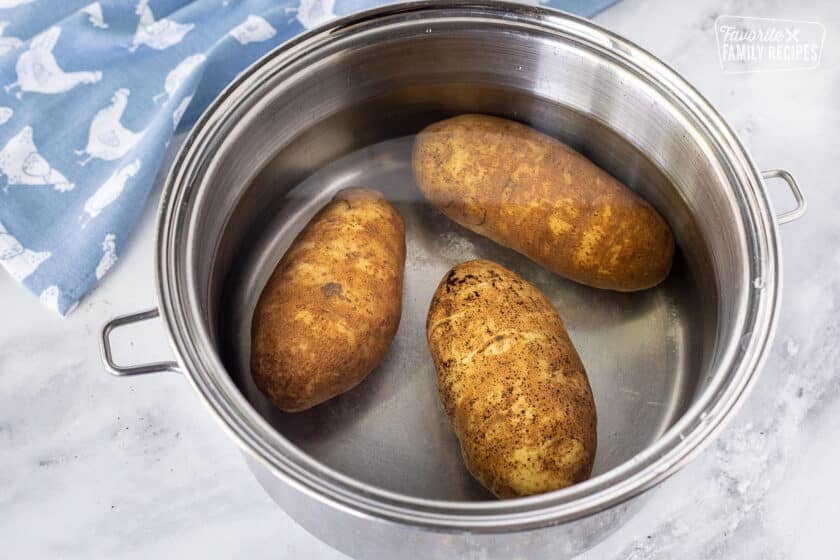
(93, 466)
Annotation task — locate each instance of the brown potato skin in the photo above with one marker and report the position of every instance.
(534, 194)
(332, 306)
(511, 382)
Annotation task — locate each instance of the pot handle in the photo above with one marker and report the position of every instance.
(108, 358)
(801, 205)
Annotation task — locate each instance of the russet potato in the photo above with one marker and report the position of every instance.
(510, 381)
(534, 194)
(332, 306)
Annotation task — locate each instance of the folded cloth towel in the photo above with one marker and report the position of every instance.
(91, 95)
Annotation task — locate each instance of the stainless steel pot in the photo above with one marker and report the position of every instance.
(377, 471)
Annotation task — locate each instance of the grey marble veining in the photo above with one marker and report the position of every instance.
(97, 467)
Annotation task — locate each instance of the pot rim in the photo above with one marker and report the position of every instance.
(192, 344)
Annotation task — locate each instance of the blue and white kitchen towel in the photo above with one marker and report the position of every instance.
(91, 94)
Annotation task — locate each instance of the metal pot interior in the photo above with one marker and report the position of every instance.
(342, 112)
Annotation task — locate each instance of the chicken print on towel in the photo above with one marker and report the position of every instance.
(108, 139)
(160, 34)
(7, 43)
(38, 71)
(109, 191)
(49, 298)
(109, 256)
(22, 165)
(20, 262)
(253, 30)
(95, 17)
(312, 13)
(178, 75)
